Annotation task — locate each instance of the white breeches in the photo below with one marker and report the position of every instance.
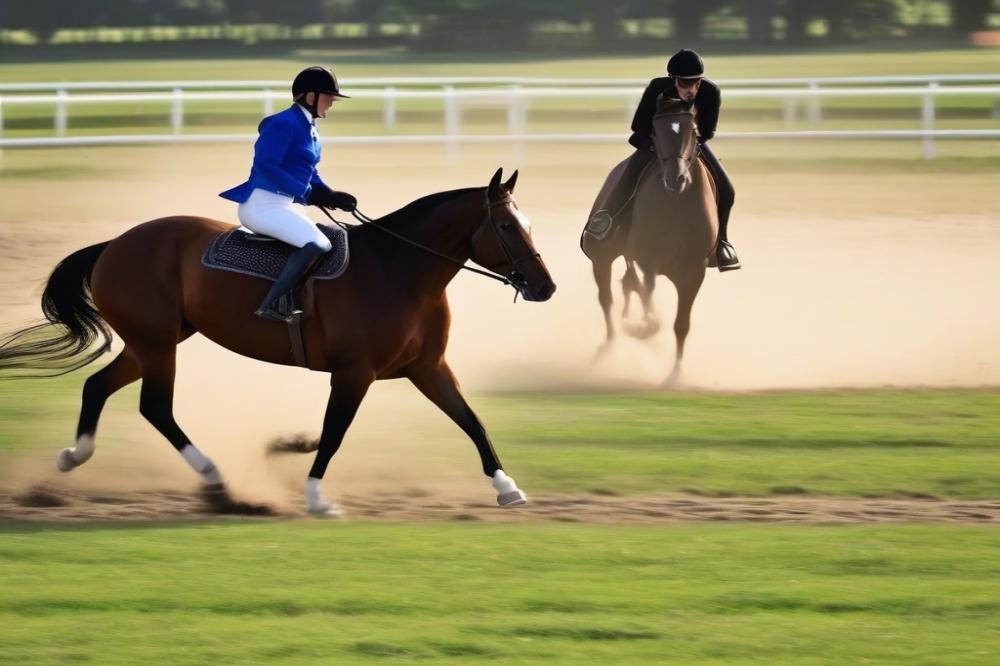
(274, 215)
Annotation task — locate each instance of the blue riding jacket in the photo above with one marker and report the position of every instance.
(284, 158)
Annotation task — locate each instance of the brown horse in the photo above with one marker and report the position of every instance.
(673, 231)
(386, 317)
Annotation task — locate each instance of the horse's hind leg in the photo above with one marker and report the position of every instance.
(687, 290)
(630, 285)
(122, 371)
(156, 404)
(650, 324)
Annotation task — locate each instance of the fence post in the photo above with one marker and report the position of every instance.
(452, 117)
(177, 112)
(389, 107)
(815, 113)
(60, 112)
(268, 102)
(791, 111)
(928, 120)
(631, 101)
(515, 111)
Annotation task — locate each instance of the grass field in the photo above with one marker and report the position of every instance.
(933, 443)
(465, 593)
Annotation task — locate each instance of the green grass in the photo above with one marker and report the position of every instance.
(904, 443)
(302, 592)
(879, 443)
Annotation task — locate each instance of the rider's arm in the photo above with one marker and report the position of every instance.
(317, 184)
(708, 102)
(642, 121)
(269, 156)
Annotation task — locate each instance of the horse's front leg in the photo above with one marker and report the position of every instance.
(347, 390)
(440, 386)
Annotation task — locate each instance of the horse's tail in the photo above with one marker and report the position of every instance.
(63, 342)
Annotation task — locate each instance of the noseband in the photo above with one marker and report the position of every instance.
(514, 276)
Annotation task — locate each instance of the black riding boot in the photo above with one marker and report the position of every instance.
(296, 266)
(725, 254)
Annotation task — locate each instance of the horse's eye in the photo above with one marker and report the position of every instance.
(506, 226)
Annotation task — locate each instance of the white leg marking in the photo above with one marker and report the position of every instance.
(202, 464)
(316, 504)
(508, 494)
(76, 456)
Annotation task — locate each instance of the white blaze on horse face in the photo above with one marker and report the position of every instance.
(676, 127)
(521, 219)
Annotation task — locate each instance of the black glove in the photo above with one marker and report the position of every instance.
(343, 201)
(332, 199)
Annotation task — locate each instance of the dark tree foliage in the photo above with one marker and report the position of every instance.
(969, 15)
(484, 24)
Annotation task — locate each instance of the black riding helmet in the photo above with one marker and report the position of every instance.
(319, 80)
(686, 64)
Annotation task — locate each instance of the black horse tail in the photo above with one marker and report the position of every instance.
(64, 342)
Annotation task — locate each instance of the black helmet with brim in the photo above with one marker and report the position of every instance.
(686, 64)
(316, 79)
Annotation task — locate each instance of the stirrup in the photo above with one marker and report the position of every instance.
(273, 315)
(599, 224)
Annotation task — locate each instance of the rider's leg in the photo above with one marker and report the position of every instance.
(725, 253)
(273, 215)
(622, 191)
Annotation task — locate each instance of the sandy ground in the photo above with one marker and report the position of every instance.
(41, 504)
(850, 280)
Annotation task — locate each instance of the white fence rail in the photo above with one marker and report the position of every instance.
(515, 96)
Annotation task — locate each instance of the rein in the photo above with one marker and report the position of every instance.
(513, 279)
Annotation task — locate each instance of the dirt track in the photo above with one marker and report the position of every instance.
(40, 504)
(850, 281)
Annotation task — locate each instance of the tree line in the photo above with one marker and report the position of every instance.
(444, 22)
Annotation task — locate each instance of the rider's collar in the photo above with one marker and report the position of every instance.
(308, 115)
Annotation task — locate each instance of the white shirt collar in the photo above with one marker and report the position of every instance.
(305, 111)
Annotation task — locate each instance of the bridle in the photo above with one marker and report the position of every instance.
(514, 277)
(689, 158)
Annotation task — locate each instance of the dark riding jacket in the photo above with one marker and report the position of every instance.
(706, 102)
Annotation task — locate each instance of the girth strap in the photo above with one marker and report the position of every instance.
(298, 344)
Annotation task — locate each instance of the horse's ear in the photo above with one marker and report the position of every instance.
(495, 180)
(509, 185)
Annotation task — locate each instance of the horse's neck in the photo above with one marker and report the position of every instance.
(446, 228)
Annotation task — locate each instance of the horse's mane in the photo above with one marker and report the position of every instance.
(424, 205)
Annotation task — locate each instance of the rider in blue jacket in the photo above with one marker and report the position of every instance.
(284, 173)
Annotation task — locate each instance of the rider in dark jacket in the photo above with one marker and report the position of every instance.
(685, 81)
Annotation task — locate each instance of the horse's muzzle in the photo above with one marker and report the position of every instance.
(539, 294)
(676, 185)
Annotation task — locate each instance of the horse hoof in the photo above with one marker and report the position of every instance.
(514, 498)
(65, 461)
(326, 511)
